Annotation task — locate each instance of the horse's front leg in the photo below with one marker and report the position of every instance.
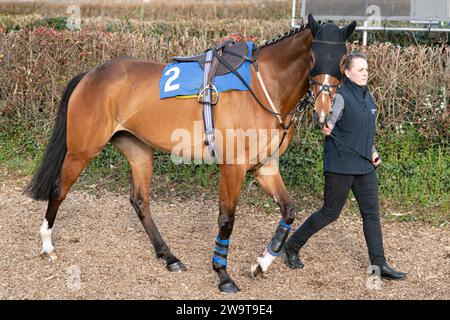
(272, 183)
(231, 180)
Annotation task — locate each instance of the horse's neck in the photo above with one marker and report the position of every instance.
(284, 67)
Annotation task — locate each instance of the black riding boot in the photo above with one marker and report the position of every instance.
(388, 273)
(292, 258)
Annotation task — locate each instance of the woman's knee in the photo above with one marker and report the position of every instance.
(329, 214)
(370, 213)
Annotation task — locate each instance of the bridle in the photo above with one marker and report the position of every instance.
(324, 88)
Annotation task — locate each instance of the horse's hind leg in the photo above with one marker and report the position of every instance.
(140, 157)
(71, 169)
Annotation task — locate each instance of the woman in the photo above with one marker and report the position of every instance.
(350, 159)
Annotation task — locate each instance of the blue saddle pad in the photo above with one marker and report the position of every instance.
(186, 78)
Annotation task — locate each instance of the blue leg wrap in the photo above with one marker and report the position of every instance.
(276, 244)
(220, 253)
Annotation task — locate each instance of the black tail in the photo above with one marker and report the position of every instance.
(45, 178)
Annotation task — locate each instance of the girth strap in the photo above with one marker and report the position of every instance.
(208, 88)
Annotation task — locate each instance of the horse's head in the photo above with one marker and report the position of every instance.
(328, 53)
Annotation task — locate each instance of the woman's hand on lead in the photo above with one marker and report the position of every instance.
(327, 128)
(376, 160)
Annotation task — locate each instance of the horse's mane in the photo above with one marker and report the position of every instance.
(285, 35)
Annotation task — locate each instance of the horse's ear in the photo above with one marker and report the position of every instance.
(348, 30)
(313, 25)
(342, 63)
(312, 60)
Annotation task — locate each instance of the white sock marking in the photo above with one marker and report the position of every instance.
(46, 235)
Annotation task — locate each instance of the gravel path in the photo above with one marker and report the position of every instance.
(100, 238)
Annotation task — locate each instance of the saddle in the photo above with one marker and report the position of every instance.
(234, 53)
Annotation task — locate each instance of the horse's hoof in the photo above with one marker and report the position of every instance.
(229, 287)
(256, 270)
(176, 267)
(50, 256)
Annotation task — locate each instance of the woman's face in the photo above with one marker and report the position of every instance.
(358, 71)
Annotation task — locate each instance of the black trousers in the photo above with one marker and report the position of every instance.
(337, 188)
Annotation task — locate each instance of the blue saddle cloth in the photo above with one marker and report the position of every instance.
(186, 78)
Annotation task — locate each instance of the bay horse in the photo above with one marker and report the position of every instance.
(118, 102)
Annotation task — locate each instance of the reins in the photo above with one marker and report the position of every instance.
(299, 108)
(255, 65)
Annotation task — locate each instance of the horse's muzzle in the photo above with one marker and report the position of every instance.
(321, 118)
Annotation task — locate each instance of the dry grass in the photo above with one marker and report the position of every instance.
(158, 10)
